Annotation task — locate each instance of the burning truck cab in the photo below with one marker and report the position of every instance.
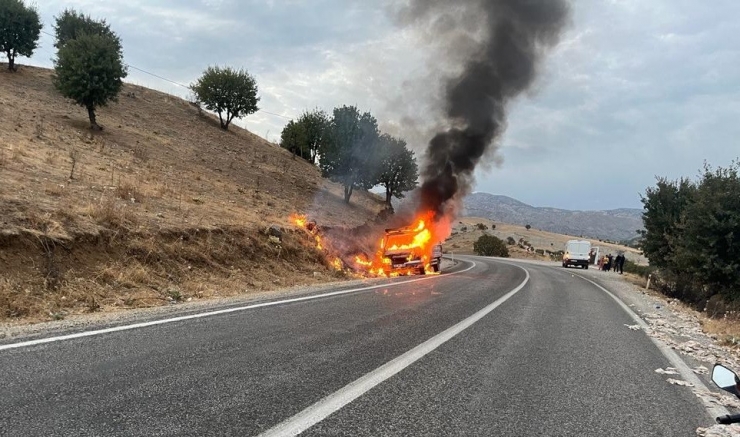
(404, 252)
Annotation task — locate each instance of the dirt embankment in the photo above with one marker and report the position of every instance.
(47, 278)
(160, 206)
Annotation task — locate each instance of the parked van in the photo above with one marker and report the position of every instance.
(577, 253)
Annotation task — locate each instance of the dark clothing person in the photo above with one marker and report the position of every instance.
(609, 262)
(621, 263)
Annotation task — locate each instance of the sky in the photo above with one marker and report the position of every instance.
(635, 89)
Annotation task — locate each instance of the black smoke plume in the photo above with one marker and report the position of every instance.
(503, 64)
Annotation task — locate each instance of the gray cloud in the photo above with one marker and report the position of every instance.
(635, 89)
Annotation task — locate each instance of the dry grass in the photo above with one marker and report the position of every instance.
(113, 201)
(123, 270)
(165, 150)
(465, 233)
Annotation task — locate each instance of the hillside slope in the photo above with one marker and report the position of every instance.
(160, 201)
(615, 225)
(465, 232)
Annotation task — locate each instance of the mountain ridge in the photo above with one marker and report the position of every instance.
(616, 224)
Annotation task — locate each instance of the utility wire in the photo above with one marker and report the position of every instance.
(175, 83)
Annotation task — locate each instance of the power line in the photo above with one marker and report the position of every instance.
(174, 82)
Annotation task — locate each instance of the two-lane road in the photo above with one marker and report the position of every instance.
(489, 348)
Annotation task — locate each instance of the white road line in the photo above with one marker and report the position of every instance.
(335, 401)
(714, 410)
(215, 313)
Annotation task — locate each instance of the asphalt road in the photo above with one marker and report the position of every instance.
(553, 359)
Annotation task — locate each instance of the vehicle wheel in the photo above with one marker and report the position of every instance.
(565, 265)
(422, 271)
(435, 268)
(586, 267)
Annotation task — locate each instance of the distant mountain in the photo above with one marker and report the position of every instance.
(616, 224)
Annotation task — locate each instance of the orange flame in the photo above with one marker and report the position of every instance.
(411, 248)
(302, 222)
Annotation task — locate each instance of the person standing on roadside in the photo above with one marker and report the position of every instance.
(622, 259)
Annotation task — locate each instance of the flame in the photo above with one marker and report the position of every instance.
(302, 222)
(411, 248)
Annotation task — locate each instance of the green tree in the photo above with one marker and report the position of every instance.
(349, 153)
(20, 27)
(397, 169)
(70, 24)
(90, 70)
(664, 206)
(528, 227)
(707, 245)
(230, 93)
(490, 245)
(306, 136)
(293, 138)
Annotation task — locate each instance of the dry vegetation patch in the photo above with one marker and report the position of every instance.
(160, 205)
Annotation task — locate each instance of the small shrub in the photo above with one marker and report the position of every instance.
(510, 241)
(129, 192)
(489, 245)
(644, 271)
(175, 294)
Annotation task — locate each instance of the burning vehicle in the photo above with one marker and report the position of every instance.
(404, 252)
(400, 251)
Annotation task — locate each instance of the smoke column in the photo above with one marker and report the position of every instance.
(515, 36)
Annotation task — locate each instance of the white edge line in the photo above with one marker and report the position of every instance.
(335, 401)
(676, 361)
(217, 312)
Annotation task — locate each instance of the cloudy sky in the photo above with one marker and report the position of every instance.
(635, 89)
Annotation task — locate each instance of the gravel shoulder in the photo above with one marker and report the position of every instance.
(679, 328)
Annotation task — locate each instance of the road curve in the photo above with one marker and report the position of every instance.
(554, 358)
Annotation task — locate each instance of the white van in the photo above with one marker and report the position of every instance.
(577, 253)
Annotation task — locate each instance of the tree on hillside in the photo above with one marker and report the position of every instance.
(230, 93)
(664, 206)
(528, 227)
(306, 136)
(348, 156)
(70, 24)
(293, 138)
(89, 70)
(398, 171)
(20, 27)
(490, 245)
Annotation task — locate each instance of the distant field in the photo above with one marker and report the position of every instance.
(463, 241)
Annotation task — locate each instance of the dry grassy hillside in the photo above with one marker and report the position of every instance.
(162, 205)
(465, 234)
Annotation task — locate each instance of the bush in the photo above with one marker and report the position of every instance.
(690, 235)
(481, 227)
(510, 241)
(644, 271)
(489, 245)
